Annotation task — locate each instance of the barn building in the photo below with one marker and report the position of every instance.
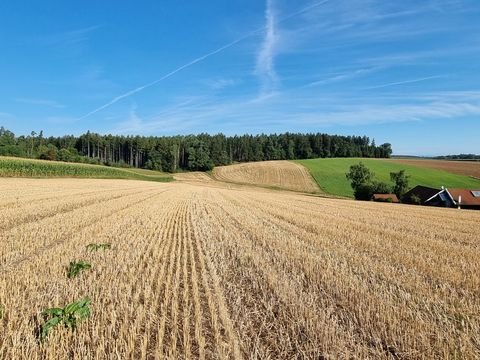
(461, 198)
(385, 198)
(465, 199)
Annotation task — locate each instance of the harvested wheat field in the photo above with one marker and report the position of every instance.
(195, 176)
(278, 174)
(215, 273)
(468, 168)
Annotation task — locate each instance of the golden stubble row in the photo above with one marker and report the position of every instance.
(210, 272)
(152, 294)
(396, 293)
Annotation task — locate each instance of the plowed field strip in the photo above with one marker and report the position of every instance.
(288, 307)
(160, 249)
(169, 279)
(173, 331)
(231, 347)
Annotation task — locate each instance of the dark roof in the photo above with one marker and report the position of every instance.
(468, 197)
(393, 197)
(422, 192)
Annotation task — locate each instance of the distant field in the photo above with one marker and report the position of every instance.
(330, 174)
(468, 168)
(17, 167)
(196, 176)
(275, 174)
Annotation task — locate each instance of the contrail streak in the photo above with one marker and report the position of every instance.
(143, 87)
(197, 60)
(405, 82)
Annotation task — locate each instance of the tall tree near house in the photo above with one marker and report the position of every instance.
(359, 175)
(400, 180)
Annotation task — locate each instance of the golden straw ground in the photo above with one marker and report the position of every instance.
(213, 272)
(277, 174)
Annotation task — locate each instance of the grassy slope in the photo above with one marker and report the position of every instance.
(18, 167)
(330, 174)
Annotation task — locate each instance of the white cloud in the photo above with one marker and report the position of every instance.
(40, 102)
(378, 113)
(265, 67)
(170, 74)
(343, 76)
(404, 82)
(303, 111)
(219, 84)
(265, 63)
(69, 37)
(59, 120)
(133, 125)
(172, 120)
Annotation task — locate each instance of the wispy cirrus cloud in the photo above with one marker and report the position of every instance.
(59, 120)
(269, 42)
(69, 37)
(304, 110)
(220, 84)
(174, 120)
(265, 66)
(168, 75)
(40, 102)
(404, 82)
(70, 43)
(343, 76)
(388, 114)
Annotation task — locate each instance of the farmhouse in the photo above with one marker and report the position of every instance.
(423, 195)
(461, 198)
(465, 199)
(385, 198)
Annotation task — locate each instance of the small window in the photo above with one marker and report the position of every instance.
(476, 193)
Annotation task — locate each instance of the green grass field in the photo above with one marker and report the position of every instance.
(18, 167)
(330, 174)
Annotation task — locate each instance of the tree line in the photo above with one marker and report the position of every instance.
(458, 157)
(190, 152)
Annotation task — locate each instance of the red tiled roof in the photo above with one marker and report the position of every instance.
(467, 196)
(386, 197)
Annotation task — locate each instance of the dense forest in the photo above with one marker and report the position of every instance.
(192, 152)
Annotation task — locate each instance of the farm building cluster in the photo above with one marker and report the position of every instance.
(427, 196)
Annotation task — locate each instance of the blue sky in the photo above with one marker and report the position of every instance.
(405, 72)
